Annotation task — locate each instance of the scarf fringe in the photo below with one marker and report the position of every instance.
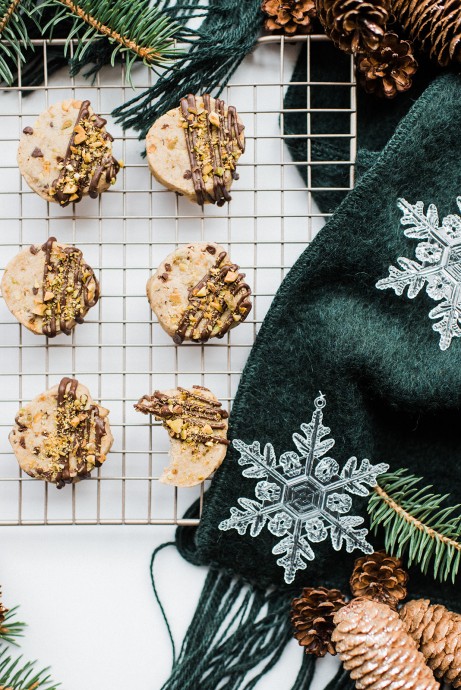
(236, 628)
(228, 31)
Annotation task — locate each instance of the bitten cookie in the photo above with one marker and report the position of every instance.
(62, 435)
(49, 288)
(67, 154)
(197, 426)
(194, 149)
(198, 294)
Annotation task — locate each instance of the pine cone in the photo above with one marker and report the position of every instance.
(354, 25)
(289, 16)
(435, 25)
(312, 618)
(374, 646)
(387, 71)
(3, 611)
(379, 577)
(437, 632)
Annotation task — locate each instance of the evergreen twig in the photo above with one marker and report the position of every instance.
(11, 629)
(14, 37)
(417, 522)
(136, 29)
(18, 675)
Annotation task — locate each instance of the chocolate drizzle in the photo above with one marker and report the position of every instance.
(214, 143)
(87, 165)
(67, 280)
(187, 415)
(216, 303)
(80, 430)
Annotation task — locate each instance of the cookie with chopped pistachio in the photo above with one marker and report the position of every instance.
(49, 288)
(194, 149)
(62, 435)
(197, 293)
(67, 154)
(197, 426)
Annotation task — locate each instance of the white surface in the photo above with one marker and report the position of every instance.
(85, 591)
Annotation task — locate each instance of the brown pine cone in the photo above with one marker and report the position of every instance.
(437, 632)
(379, 577)
(3, 611)
(289, 16)
(374, 646)
(354, 25)
(387, 71)
(312, 618)
(434, 25)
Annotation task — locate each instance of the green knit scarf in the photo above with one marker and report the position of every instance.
(389, 393)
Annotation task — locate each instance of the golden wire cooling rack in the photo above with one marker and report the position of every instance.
(121, 352)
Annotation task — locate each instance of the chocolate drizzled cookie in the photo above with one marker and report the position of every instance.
(194, 149)
(50, 288)
(62, 435)
(197, 293)
(187, 415)
(197, 427)
(88, 159)
(67, 154)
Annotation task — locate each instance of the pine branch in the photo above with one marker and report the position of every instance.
(136, 29)
(417, 522)
(14, 37)
(11, 629)
(17, 675)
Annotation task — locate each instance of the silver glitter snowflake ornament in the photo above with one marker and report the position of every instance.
(303, 497)
(438, 267)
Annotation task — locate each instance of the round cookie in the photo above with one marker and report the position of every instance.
(198, 294)
(67, 154)
(62, 435)
(49, 288)
(197, 426)
(194, 149)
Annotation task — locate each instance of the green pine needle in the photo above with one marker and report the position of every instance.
(136, 29)
(11, 629)
(14, 38)
(18, 675)
(417, 523)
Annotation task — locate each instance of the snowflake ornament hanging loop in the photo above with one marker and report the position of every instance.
(438, 267)
(303, 497)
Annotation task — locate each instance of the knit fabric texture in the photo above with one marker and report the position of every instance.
(392, 395)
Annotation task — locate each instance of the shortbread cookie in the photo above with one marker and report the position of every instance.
(49, 288)
(67, 154)
(197, 293)
(197, 426)
(62, 435)
(194, 149)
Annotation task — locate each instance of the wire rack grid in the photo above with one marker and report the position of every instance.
(121, 352)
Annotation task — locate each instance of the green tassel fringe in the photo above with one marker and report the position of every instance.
(235, 629)
(228, 32)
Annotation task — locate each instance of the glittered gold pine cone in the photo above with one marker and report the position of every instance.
(433, 25)
(374, 646)
(437, 632)
(312, 618)
(388, 70)
(289, 16)
(379, 577)
(355, 26)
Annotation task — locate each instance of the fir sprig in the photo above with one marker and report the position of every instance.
(418, 523)
(11, 629)
(137, 29)
(14, 36)
(18, 675)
